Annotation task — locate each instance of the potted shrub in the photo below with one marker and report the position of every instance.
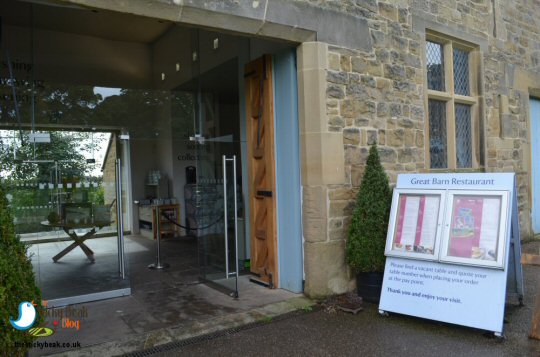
(17, 284)
(367, 232)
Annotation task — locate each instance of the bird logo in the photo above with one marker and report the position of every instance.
(27, 316)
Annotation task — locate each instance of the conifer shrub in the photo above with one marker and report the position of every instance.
(17, 284)
(369, 224)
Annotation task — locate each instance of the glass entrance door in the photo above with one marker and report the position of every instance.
(65, 208)
(218, 200)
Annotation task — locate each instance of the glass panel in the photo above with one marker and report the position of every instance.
(64, 208)
(435, 66)
(212, 212)
(474, 227)
(216, 228)
(437, 134)
(416, 224)
(461, 72)
(463, 136)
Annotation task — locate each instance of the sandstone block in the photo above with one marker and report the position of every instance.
(355, 155)
(337, 77)
(326, 270)
(358, 65)
(314, 201)
(340, 208)
(387, 155)
(343, 193)
(388, 11)
(336, 121)
(335, 91)
(314, 229)
(374, 68)
(372, 137)
(334, 61)
(345, 62)
(351, 136)
(394, 71)
(395, 137)
(357, 172)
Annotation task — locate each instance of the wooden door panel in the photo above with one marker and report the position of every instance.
(261, 167)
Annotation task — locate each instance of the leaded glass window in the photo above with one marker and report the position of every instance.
(461, 72)
(452, 103)
(437, 134)
(463, 136)
(435, 65)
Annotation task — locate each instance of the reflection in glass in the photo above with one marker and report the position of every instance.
(463, 136)
(435, 66)
(437, 134)
(461, 71)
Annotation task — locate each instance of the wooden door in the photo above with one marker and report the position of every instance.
(261, 170)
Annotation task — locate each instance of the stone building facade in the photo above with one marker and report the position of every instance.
(362, 79)
(379, 95)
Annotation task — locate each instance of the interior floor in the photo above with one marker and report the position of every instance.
(75, 275)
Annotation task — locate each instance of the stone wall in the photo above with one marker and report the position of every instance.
(378, 95)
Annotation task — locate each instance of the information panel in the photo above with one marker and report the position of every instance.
(463, 295)
(448, 248)
(477, 228)
(415, 224)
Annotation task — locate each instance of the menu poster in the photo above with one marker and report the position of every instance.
(430, 219)
(474, 228)
(416, 223)
(489, 233)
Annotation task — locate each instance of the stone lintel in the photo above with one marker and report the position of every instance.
(282, 19)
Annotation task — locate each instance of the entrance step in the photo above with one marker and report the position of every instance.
(159, 339)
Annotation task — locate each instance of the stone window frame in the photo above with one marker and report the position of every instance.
(474, 99)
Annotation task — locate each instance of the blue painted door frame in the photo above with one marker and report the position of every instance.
(287, 146)
(535, 163)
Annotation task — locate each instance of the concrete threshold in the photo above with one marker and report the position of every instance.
(159, 337)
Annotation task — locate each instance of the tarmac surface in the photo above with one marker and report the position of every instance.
(329, 333)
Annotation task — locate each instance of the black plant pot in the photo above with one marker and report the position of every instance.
(369, 285)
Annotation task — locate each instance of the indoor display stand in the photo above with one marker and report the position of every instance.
(204, 208)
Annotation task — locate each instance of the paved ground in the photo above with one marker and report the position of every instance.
(321, 333)
(165, 305)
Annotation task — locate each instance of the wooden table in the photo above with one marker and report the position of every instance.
(78, 241)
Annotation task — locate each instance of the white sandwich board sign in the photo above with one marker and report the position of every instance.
(453, 242)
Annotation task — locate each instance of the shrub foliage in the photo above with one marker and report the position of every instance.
(367, 232)
(17, 283)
